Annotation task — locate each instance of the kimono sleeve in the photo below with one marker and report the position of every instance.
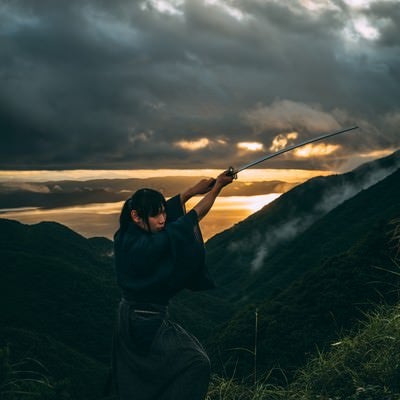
(174, 209)
(188, 253)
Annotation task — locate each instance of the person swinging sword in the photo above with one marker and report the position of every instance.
(159, 251)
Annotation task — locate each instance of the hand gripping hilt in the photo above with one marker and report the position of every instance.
(231, 172)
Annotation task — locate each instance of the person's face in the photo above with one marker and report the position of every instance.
(156, 223)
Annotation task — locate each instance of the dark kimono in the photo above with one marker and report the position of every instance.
(153, 357)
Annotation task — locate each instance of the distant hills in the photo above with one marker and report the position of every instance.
(70, 193)
(312, 262)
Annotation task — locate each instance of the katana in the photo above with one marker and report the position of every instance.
(233, 172)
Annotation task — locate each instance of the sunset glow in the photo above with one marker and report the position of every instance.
(102, 219)
(316, 150)
(251, 146)
(377, 153)
(281, 141)
(251, 204)
(193, 145)
(252, 175)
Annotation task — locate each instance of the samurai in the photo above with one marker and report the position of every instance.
(159, 251)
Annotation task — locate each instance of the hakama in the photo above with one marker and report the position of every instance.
(155, 358)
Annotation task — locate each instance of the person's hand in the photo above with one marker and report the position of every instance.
(203, 186)
(223, 179)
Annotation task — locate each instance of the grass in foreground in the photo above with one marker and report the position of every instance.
(365, 366)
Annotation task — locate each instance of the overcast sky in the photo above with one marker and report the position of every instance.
(196, 83)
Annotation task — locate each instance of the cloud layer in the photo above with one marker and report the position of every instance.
(179, 84)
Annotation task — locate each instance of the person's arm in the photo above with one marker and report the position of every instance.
(200, 187)
(176, 205)
(205, 204)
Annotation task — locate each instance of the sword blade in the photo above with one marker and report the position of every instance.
(267, 157)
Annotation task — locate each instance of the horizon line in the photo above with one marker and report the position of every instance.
(290, 175)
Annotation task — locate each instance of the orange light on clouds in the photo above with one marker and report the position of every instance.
(281, 141)
(251, 146)
(316, 150)
(193, 145)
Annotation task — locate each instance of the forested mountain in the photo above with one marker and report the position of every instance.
(312, 262)
(256, 247)
(57, 302)
(311, 287)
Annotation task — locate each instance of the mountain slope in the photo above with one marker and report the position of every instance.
(54, 283)
(319, 285)
(332, 234)
(235, 255)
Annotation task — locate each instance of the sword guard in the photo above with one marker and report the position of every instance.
(231, 172)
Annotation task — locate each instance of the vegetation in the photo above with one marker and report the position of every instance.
(55, 367)
(365, 365)
(27, 379)
(315, 301)
(361, 366)
(230, 389)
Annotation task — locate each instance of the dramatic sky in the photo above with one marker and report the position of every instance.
(196, 83)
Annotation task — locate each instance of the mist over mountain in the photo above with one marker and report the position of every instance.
(238, 253)
(315, 285)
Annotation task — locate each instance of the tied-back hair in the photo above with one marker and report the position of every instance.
(146, 202)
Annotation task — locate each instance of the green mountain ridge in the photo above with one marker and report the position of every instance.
(314, 310)
(52, 240)
(334, 233)
(300, 290)
(231, 253)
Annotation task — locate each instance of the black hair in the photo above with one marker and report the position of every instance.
(146, 202)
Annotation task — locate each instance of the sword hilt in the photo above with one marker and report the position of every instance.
(231, 172)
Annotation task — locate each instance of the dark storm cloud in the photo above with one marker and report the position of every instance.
(91, 84)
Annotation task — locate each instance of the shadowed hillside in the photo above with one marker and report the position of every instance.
(54, 282)
(317, 285)
(244, 252)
